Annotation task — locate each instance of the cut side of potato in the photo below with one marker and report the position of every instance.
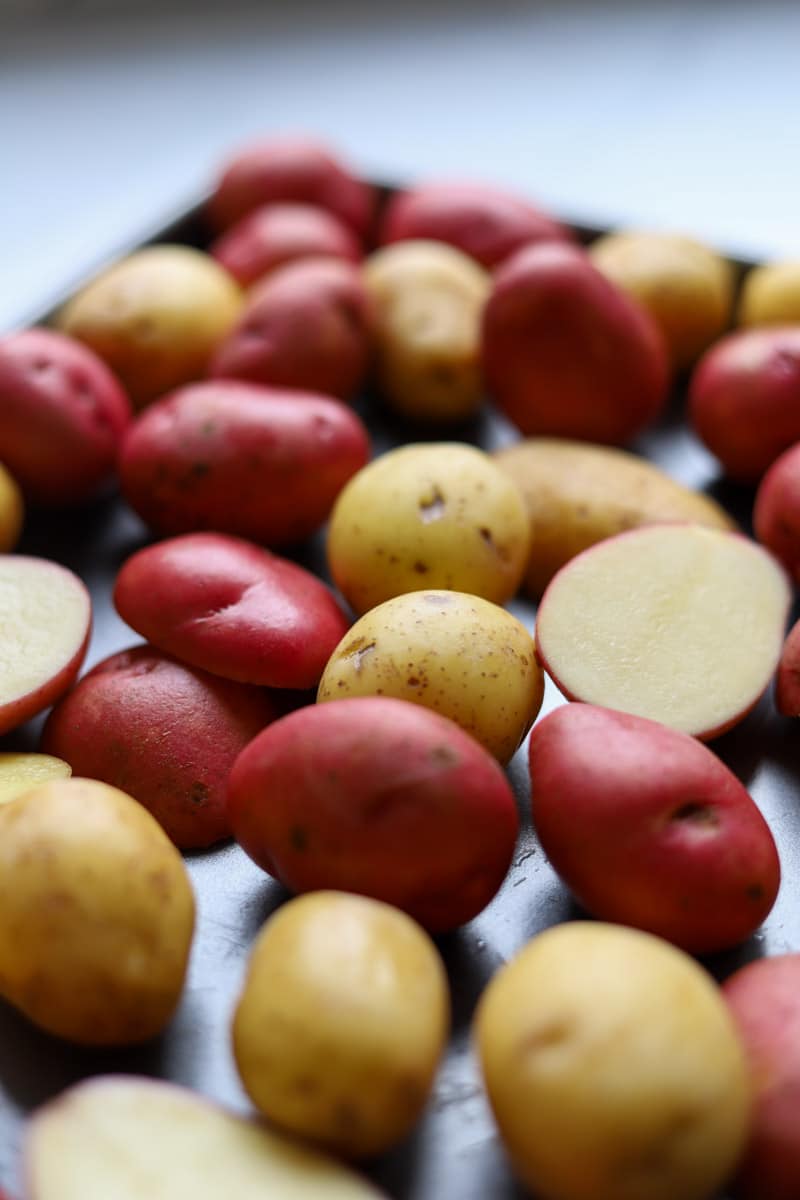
(126, 1138)
(678, 623)
(20, 773)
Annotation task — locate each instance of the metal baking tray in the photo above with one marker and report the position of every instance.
(454, 1151)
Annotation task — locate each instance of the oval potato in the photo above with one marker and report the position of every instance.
(771, 294)
(279, 233)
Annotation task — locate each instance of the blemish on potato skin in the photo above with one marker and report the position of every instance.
(432, 507)
(198, 793)
(298, 838)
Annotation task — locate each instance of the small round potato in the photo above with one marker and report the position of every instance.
(685, 286)
(428, 299)
(613, 1068)
(438, 515)
(96, 914)
(460, 655)
(771, 295)
(342, 1021)
(156, 317)
(276, 234)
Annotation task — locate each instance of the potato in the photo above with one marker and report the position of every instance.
(439, 515)
(112, 1136)
(578, 494)
(342, 1021)
(613, 1068)
(648, 828)
(771, 295)
(164, 732)
(787, 683)
(276, 234)
(428, 299)
(231, 608)
(381, 797)
(295, 169)
(764, 1000)
(685, 286)
(20, 773)
(155, 317)
(568, 354)
(305, 326)
(485, 222)
(744, 399)
(96, 914)
(12, 512)
(62, 418)
(460, 655)
(263, 463)
(776, 512)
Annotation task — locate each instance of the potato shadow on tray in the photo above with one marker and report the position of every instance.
(92, 539)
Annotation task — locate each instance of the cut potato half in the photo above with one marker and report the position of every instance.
(678, 623)
(20, 773)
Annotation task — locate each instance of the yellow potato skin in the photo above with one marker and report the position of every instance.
(96, 914)
(577, 494)
(687, 288)
(613, 1068)
(342, 1021)
(771, 295)
(428, 300)
(12, 511)
(439, 515)
(21, 773)
(460, 655)
(155, 317)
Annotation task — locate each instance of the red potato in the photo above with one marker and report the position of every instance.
(277, 234)
(764, 1000)
(381, 797)
(164, 733)
(62, 416)
(231, 608)
(744, 399)
(307, 325)
(568, 354)
(483, 221)
(258, 462)
(776, 512)
(648, 828)
(787, 683)
(290, 168)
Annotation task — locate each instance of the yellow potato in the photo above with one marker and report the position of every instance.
(12, 511)
(460, 655)
(771, 295)
(438, 515)
(155, 317)
(96, 914)
(685, 286)
(428, 300)
(578, 494)
(20, 773)
(342, 1021)
(613, 1068)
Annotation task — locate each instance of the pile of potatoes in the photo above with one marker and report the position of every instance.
(316, 376)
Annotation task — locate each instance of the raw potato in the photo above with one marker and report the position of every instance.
(678, 623)
(787, 684)
(578, 494)
(12, 512)
(120, 1137)
(685, 286)
(428, 300)
(96, 914)
(771, 295)
(155, 318)
(342, 1021)
(20, 773)
(279, 233)
(462, 656)
(613, 1068)
(438, 515)
(776, 512)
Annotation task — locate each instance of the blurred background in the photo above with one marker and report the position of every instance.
(113, 115)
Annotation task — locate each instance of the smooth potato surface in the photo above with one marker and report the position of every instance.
(771, 294)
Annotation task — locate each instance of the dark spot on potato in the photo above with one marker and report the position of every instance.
(198, 793)
(546, 1037)
(412, 681)
(420, 568)
(444, 756)
(346, 1115)
(298, 838)
(305, 1085)
(357, 651)
(432, 506)
(200, 469)
(698, 814)
(755, 892)
(208, 428)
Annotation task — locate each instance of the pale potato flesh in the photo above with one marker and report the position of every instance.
(677, 623)
(20, 772)
(123, 1138)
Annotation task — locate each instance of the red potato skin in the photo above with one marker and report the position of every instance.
(744, 399)
(256, 462)
(62, 416)
(484, 222)
(277, 234)
(764, 1000)
(776, 512)
(307, 326)
(229, 607)
(290, 169)
(381, 797)
(568, 354)
(787, 680)
(164, 733)
(648, 828)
